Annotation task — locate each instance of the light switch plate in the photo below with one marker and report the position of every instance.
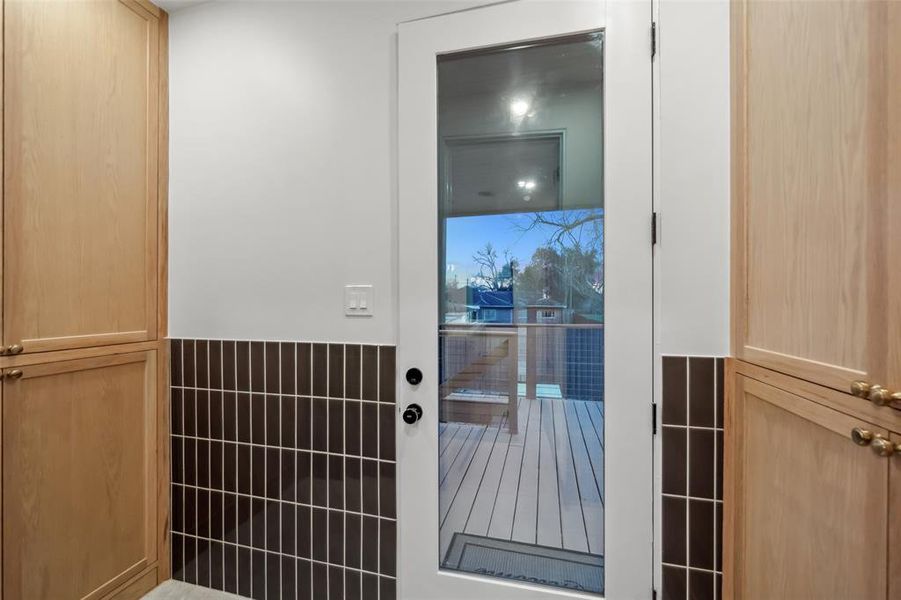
(358, 300)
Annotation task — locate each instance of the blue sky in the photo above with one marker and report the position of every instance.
(466, 235)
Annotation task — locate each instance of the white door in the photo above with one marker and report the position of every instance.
(525, 302)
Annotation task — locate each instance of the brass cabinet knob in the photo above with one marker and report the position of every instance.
(861, 437)
(883, 446)
(860, 388)
(878, 395)
(15, 349)
(14, 374)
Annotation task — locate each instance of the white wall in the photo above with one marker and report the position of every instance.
(692, 260)
(282, 181)
(282, 176)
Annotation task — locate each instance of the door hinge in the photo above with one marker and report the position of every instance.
(653, 39)
(653, 418)
(653, 228)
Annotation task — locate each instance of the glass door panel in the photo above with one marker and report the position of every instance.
(521, 312)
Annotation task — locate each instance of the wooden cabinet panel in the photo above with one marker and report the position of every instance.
(79, 476)
(815, 135)
(80, 171)
(806, 509)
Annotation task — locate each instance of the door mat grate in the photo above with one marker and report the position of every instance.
(528, 563)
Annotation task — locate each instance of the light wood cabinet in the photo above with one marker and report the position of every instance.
(79, 475)
(817, 189)
(81, 157)
(807, 511)
(83, 356)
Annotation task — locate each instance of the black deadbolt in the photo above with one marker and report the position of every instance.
(412, 413)
(414, 376)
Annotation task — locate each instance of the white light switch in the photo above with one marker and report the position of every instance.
(358, 300)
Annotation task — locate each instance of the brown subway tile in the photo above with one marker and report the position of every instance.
(258, 523)
(718, 536)
(177, 412)
(215, 398)
(304, 369)
(675, 455)
(674, 583)
(178, 513)
(718, 393)
(216, 516)
(320, 480)
(273, 424)
(203, 463)
(258, 471)
(201, 364)
(202, 406)
(352, 531)
(701, 445)
(243, 469)
(320, 534)
(273, 576)
(700, 585)
(273, 473)
(387, 496)
(304, 477)
(215, 358)
(336, 370)
(203, 563)
(190, 559)
(230, 416)
(288, 421)
(288, 528)
(352, 489)
(273, 368)
(216, 574)
(320, 369)
(320, 424)
(719, 465)
(244, 410)
(352, 428)
(370, 537)
(387, 588)
(258, 418)
(386, 374)
(228, 365)
(304, 532)
(352, 371)
(336, 482)
(700, 392)
(304, 580)
(386, 432)
(175, 372)
(320, 581)
(351, 584)
(189, 373)
(177, 463)
(216, 465)
(190, 461)
(273, 526)
(189, 412)
(370, 485)
(288, 486)
(230, 513)
(674, 530)
(230, 467)
(370, 423)
(257, 367)
(700, 538)
(336, 426)
(242, 366)
(289, 577)
(387, 547)
(230, 569)
(335, 583)
(288, 368)
(336, 537)
(258, 580)
(304, 415)
(369, 378)
(244, 569)
(370, 586)
(178, 557)
(674, 391)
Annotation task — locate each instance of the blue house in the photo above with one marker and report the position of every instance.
(490, 306)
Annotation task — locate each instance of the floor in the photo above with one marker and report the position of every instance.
(543, 486)
(178, 590)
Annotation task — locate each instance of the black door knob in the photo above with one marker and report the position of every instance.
(412, 413)
(414, 376)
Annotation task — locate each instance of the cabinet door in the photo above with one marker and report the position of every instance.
(816, 126)
(80, 161)
(79, 476)
(807, 506)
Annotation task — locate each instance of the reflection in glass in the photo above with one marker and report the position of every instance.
(521, 335)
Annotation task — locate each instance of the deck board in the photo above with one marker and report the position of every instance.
(550, 532)
(501, 524)
(543, 485)
(572, 521)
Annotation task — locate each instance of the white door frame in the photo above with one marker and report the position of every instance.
(628, 286)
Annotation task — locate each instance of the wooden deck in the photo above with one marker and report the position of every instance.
(543, 485)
